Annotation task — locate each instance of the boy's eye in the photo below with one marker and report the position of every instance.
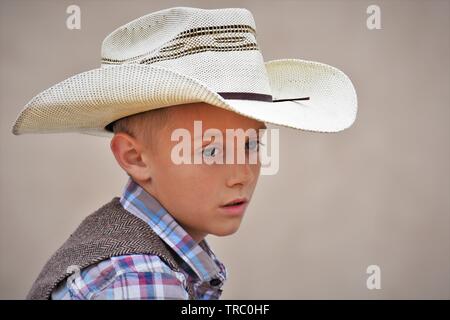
(213, 151)
(253, 145)
(210, 152)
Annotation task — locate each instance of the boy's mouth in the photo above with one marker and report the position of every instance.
(236, 202)
(235, 207)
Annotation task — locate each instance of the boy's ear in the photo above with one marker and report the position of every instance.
(128, 153)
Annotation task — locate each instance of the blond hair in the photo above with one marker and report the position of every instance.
(143, 126)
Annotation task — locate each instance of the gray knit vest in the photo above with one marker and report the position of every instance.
(109, 231)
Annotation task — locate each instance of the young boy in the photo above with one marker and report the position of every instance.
(161, 75)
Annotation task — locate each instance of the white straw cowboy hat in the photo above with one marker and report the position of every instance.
(183, 55)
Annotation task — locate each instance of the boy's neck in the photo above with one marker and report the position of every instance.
(195, 235)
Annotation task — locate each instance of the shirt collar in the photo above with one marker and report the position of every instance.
(198, 256)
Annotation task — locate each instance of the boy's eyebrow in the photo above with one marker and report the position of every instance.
(196, 137)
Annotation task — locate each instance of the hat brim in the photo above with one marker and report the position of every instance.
(88, 101)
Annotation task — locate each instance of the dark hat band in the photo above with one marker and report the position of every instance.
(254, 96)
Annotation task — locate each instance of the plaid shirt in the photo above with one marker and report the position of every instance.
(147, 276)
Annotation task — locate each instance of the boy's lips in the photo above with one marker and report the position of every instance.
(236, 201)
(235, 207)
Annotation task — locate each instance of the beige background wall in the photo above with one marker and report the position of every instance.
(377, 193)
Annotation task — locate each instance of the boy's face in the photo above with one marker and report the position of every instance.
(195, 193)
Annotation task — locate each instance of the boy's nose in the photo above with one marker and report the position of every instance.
(240, 174)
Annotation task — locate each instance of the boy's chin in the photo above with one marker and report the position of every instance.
(223, 232)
